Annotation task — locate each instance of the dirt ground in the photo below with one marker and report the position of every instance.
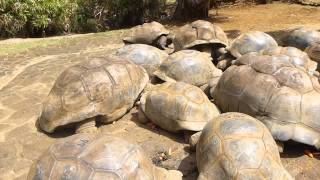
(27, 75)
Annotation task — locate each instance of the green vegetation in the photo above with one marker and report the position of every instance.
(36, 18)
(16, 48)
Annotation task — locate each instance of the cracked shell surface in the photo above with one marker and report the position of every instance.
(197, 33)
(147, 56)
(238, 146)
(189, 66)
(146, 33)
(100, 86)
(274, 91)
(178, 106)
(252, 41)
(88, 156)
(297, 57)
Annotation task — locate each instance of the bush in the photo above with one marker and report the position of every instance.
(113, 14)
(49, 17)
(34, 17)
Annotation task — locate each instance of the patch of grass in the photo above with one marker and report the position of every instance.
(24, 45)
(20, 47)
(111, 33)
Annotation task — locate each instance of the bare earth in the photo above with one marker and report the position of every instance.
(27, 77)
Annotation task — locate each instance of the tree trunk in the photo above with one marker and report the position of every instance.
(192, 9)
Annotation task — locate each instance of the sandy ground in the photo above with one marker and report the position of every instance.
(27, 77)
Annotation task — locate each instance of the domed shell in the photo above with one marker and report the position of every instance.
(237, 146)
(197, 33)
(253, 41)
(188, 66)
(146, 33)
(300, 38)
(298, 58)
(309, 2)
(99, 86)
(272, 89)
(147, 56)
(178, 106)
(88, 156)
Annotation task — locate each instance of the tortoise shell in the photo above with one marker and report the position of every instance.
(237, 146)
(253, 41)
(189, 66)
(199, 32)
(300, 37)
(99, 86)
(89, 156)
(176, 106)
(272, 89)
(147, 56)
(298, 58)
(146, 33)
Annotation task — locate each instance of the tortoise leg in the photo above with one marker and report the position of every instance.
(142, 118)
(206, 89)
(118, 114)
(223, 64)
(161, 173)
(193, 140)
(162, 42)
(280, 146)
(87, 126)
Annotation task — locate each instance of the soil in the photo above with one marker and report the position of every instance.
(27, 77)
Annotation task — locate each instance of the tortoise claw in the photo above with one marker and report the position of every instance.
(152, 125)
(87, 126)
(311, 154)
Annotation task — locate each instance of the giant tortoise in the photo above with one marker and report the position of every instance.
(89, 156)
(252, 41)
(152, 33)
(102, 87)
(239, 147)
(189, 66)
(203, 36)
(285, 98)
(147, 56)
(176, 106)
(300, 37)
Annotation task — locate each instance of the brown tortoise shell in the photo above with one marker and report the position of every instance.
(272, 89)
(100, 86)
(197, 33)
(237, 146)
(91, 157)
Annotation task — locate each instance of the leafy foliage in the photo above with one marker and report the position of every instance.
(103, 14)
(31, 17)
(43, 17)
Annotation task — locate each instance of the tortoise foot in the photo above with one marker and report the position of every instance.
(280, 146)
(87, 126)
